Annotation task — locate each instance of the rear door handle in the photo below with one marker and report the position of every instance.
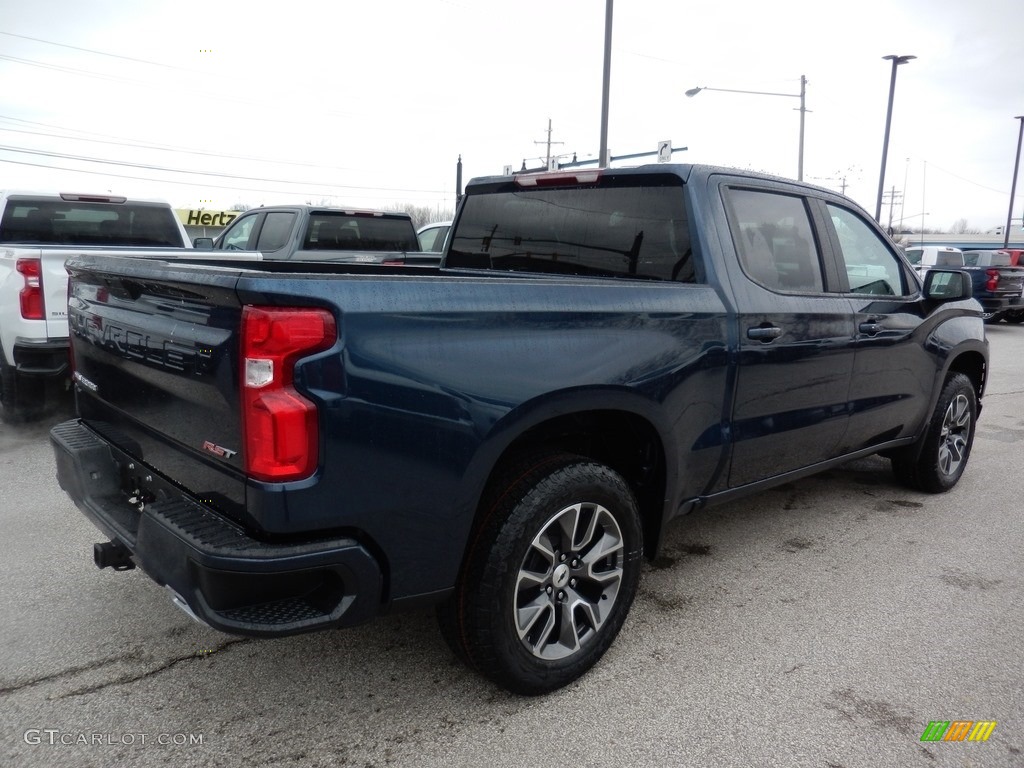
(764, 333)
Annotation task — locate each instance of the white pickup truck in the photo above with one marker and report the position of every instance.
(38, 232)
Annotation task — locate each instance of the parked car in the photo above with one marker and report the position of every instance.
(995, 283)
(432, 236)
(926, 256)
(1016, 255)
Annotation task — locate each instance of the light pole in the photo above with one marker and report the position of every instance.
(803, 111)
(1013, 186)
(896, 61)
(604, 160)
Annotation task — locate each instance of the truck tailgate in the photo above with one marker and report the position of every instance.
(155, 354)
(1011, 281)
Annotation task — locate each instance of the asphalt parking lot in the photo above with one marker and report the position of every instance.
(824, 623)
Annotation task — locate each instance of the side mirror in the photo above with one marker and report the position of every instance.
(947, 285)
(203, 243)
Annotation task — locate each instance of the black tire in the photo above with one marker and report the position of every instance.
(1014, 316)
(549, 576)
(936, 461)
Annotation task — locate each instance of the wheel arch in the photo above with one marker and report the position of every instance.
(974, 365)
(622, 436)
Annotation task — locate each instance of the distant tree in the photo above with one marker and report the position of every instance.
(423, 214)
(960, 228)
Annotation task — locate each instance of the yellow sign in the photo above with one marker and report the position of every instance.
(198, 217)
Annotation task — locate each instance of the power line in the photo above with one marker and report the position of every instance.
(69, 70)
(164, 148)
(103, 53)
(969, 181)
(201, 184)
(220, 97)
(212, 174)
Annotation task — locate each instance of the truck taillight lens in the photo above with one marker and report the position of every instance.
(993, 279)
(31, 295)
(279, 424)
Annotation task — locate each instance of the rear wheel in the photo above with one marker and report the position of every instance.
(937, 460)
(1014, 316)
(549, 576)
(18, 402)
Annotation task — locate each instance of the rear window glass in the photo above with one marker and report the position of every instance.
(332, 232)
(986, 259)
(773, 237)
(633, 227)
(58, 222)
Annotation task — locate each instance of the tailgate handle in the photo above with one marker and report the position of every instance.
(764, 333)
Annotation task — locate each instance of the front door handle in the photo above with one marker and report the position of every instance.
(764, 333)
(870, 328)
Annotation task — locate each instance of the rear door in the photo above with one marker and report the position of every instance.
(796, 351)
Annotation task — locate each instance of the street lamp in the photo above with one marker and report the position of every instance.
(896, 61)
(1013, 186)
(803, 110)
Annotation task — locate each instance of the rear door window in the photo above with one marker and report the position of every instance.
(773, 237)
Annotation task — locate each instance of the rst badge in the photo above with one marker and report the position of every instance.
(216, 450)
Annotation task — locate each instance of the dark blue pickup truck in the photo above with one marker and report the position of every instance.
(298, 446)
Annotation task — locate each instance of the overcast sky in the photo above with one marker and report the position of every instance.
(371, 103)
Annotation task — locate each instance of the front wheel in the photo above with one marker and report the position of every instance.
(937, 460)
(550, 574)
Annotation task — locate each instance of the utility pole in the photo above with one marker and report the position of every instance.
(892, 201)
(603, 158)
(803, 111)
(458, 181)
(547, 163)
(1013, 186)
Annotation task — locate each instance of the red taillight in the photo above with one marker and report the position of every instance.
(557, 178)
(279, 424)
(993, 279)
(31, 295)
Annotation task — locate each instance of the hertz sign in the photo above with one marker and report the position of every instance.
(192, 217)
